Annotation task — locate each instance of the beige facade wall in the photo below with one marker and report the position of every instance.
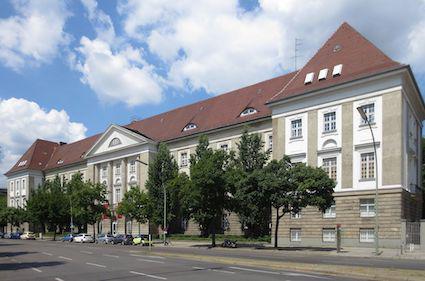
(392, 134)
(312, 138)
(68, 171)
(278, 138)
(347, 146)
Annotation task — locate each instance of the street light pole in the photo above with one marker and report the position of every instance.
(366, 119)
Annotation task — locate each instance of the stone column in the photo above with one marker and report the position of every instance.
(123, 176)
(110, 181)
(96, 177)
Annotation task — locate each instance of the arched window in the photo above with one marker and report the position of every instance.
(190, 126)
(118, 182)
(115, 142)
(248, 111)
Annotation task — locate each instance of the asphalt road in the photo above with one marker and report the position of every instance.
(47, 260)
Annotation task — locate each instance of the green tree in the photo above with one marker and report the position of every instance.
(87, 201)
(293, 187)
(3, 212)
(162, 170)
(207, 195)
(134, 205)
(250, 200)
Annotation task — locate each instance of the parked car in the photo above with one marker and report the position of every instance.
(83, 238)
(105, 238)
(141, 239)
(28, 236)
(2, 234)
(7, 235)
(68, 238)
(123, 239)
(15, 235)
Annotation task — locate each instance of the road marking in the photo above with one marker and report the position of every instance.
(223, 271)
(150, 261)
(65, 258)
(47, 254)
(95, 264)
(305, 275)
(36, 269)
(198, 268)
(111, 256)
(58, 279)
(86, 252)
(255, 270)
(148, 275)
(145, 256)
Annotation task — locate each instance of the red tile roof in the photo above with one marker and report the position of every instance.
(35, 158)
(359, 57)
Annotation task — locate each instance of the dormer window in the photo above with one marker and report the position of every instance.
(309, 78)
(337, 70)
(115, 142)
(248, 111)
(190, 126)
(322, 74)
(60, 161)
(22, 163)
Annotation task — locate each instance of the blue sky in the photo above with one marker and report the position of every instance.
(68, 69)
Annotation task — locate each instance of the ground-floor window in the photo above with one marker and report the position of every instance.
(367, 207)
(330, 212)
(367, 235)
(328, 234)
(295, 234)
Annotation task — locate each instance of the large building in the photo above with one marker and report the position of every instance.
(310, 115)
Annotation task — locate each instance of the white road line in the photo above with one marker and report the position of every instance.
(255, 270)
(58, 279)
(197, 267)
(304, 275)
(36, 269)
(223, 271)
(148, 275)
(145, 256)
(65, 258)
(150, 261)
(111, 256)
(47, 254)
(86, 252)
(95, 264)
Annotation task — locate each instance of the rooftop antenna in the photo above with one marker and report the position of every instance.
(297, 47)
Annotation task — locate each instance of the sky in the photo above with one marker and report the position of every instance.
(69, 69)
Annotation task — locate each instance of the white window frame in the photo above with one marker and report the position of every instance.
(117, 169)
(269, 142)
(366, 235)
(12, 189)
(23, 188)
(328, 235)
(248, 111)
(297, 128)
(329, 122)
(330, 168)
(330, 213)
(104, 172)
(114, 142)
(132, 168)
(365, 161)
(296, 215)
(367, 207)
(370, 111)
(184, 162)
(190, 126)
(117, 194)
(295, 234)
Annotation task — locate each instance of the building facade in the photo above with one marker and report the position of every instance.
(310, 115)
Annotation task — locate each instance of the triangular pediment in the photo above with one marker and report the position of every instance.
(116, 138)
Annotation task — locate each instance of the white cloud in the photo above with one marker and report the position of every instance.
(217, 46)
(34, 35)
(113, 69)
(23, 121)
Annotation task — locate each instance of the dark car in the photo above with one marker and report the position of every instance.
(2, 235)
(15, 235)
(123, 239)
(68, 238)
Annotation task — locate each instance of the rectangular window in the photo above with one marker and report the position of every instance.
(183, 159)
(328, 235)
(117, 195)
(369, 110)
(329, 122)
(132, 167)
(367, 235)
(270, 141)
(295, 234)
(104, 172)
(296, 215)
(224, 146)
(24, 188)
(118, 169)
(330, 212)
(12, 190)
(367, 208)
(296, 128)
(329, 165)
(18, 188)
(367, 165)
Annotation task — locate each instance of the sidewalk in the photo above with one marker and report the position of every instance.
(268, 249)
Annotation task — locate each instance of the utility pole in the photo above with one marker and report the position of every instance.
(297, 45)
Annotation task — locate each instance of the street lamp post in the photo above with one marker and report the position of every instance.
(366, 119)
(165, 199)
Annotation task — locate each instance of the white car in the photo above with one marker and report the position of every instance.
(83, 238)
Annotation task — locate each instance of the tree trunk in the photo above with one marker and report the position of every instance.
(213, 235)
(94, 230)
(54, 232)
(276, 227)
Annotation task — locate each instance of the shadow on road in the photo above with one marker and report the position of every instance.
(14, 254)
(25, 265)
